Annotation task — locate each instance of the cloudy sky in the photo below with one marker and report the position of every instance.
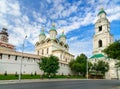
(76, 17)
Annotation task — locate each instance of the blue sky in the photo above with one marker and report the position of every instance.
(76, 17)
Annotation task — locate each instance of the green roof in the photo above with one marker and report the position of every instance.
(62, 35)
(42, 33)
(53, 28)
(97, 56)
(101, 11)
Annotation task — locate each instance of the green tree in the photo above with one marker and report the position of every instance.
(43, 64)
(90, 66)
(49, 65)
(99, 68)
(113, 50)
(102, 67)
(79, 65)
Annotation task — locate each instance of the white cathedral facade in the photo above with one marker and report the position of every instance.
(103, 38)
(10, 59)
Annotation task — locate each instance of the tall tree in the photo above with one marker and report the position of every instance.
(79, 65)
(99, 68)
(49, 65)
(90, 66)
(43, 64)
(113, 51)
(102, 67)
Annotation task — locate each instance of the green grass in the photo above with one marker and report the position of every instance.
(13, 77)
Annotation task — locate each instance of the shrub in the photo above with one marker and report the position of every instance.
(5, 73)
(31, 74)
(35, 73)
(16, 75)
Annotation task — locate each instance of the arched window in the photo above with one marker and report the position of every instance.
(0, 56)
(100, 43)
(100, 28)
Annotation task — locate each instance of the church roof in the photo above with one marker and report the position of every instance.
(62, 35)
(42, 33)
(53, 27)
(97, 56)
(101, 11)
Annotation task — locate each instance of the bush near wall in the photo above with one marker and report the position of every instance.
(15, 77)
(29, 76)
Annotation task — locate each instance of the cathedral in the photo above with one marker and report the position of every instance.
(53, 46)
(11, 60)
(103, 38)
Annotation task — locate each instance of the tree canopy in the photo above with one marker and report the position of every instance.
(102, 67)
(99, 68)
(49, 65)
(79, 64)
(113, 50)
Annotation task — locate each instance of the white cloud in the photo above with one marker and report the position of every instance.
(114, 17)
(69, 11)
(78, 47)
(20, 24)
(73, 38)
(9, 8)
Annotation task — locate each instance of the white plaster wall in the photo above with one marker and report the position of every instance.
(28, 66)
(64, 69)
(12, 66)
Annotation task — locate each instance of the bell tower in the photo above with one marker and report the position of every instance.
(102, 37)
(4, 35)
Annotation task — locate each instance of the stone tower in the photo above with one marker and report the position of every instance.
(102, 37)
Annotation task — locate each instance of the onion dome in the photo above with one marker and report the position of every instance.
(102, 11)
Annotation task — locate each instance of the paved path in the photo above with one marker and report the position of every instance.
(33, 80)
(60, 84)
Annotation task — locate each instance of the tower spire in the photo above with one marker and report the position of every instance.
(63, 37)
(42, 35)
(42, 29)
(53, 24)
(101, 11)
(63, 31)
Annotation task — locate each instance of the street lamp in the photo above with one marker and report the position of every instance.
(22, 59)
(87, 68)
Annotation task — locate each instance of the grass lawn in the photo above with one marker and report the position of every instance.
(14, 77)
